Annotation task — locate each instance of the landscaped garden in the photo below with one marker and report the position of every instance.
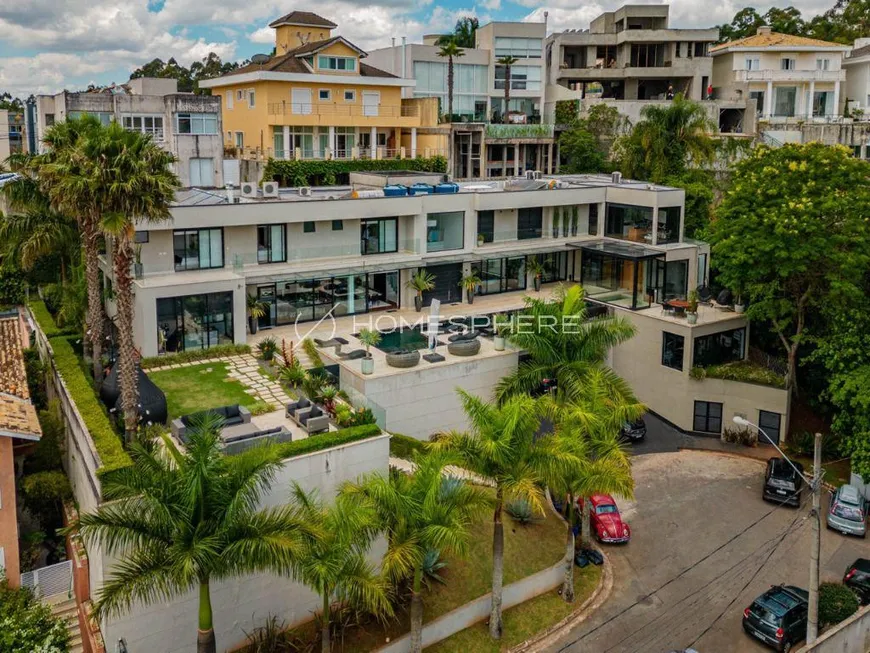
(195, 388)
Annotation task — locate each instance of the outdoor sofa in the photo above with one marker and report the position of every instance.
(232, 415)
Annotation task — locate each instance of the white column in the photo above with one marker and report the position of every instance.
(768, 100)
(812, 95)
(837, 98)
(517, 160)
(413, 142)
(374, 148)
(332, 139)
(286, 142)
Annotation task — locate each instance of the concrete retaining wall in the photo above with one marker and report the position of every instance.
(851, 636)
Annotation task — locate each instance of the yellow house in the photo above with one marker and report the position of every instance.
(316, 98)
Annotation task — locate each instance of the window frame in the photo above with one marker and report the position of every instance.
(381, 222)
(339, 224)
(270, 258)
(157, 133)
(785, 65)
(309, 227)
(196, 118)
(761, 417)
(198, 230)
(706, 416)
(252, 98)
(677, 363)
(140, 237)
(328, 93)
(352, 94)
(327, 58)
(211, 168)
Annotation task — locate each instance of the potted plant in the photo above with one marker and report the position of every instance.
(138, 268)
(501, 325)
(421, 281)
(470, 282)
(481, 239)
(739, 305)
(536, 267)
(692, 311)
(256, 310)
(370, 338)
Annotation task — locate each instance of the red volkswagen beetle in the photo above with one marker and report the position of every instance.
(606, 522)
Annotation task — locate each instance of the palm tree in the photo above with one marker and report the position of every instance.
(421, 513)
(507, 61)
(63, 178)
(334, 563)
(451, 51)
(130, 176)
(667, 139)
(179, 520)
(503, 446)
(565, 354)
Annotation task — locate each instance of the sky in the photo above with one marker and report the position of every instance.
(50, 45)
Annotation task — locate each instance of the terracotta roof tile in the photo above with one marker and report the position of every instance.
(775, 39)
(13, 377)
(303, 18)
(18, 419)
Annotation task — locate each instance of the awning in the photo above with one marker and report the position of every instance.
(617, 249)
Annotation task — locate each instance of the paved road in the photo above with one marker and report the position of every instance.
(697, 553)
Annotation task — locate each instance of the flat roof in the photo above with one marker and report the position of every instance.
(619, 250)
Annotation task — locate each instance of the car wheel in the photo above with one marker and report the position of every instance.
(786, 647)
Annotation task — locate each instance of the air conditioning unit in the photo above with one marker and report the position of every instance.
(616, 177)
(270, 189)
(305, 191)
(249, 189)
(537, 175)
(530, 174)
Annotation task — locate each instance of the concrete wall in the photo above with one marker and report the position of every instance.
(4, 135)
(424, 401)
(8, 519)
(242, 604)
(850, 636)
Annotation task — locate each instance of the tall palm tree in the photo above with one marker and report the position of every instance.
(507, 61)
(62, 176)
(503, 445)
(563, 344)
(179, 520)
(422, 512)
(451, 51)
(667, 139)
(130, 175)
(334, 563)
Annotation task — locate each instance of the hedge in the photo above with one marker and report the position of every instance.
(744, 371)
(106, 441)
(45, 320)
(405, 447)
(325, 173)
(194, 355)
(328, 440)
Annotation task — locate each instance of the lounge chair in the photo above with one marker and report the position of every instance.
(463, 337)
(296, 406)
(313, 420)
(353, 355)
(723, 301)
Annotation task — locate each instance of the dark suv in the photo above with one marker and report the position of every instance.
(778, 617)
(782, 483)
(634, 431)
(857, 578)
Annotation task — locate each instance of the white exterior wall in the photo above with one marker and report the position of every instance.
(242, 604)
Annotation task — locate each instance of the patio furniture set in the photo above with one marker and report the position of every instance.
(310, 417)
(238, 433)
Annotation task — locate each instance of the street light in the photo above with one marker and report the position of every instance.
(742, 421)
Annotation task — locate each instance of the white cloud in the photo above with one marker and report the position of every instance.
(262, 35)
(492, 5)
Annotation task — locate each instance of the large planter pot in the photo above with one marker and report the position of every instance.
(499, 343)
(403, 359)
(368, 365)
(470, 294)
(480, 241)
(537, 284)
(138, 270)
(464, 347)
(418, 303)
(692, 318)
(739, 308)
(252, 323)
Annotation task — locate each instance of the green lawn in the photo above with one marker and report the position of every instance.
(200, 387)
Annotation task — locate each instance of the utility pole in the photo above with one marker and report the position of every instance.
(816, 545)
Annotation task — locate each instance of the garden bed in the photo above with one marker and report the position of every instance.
(195, 388)
(744, 371)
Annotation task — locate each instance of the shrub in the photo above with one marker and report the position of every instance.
(328, 440)
(261, 408)
(267, 347)
(293, 374)
(310, 349)
(566, 111)
(28, 625)
(44, 494)
(48, 453)
(35, 377)
(521, 511)
(220, 351)
(45, 320)
(745, 436)
(405, 447)
(274, 637)
(697, 373)
(836, 603)
(432, 565)
(327, 173)
(746, 372)
(12, 287)
(803, 443)
(313, 385)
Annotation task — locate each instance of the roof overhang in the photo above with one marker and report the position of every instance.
(781, 48)
(271, 76)
(625, 251)
(328, 43)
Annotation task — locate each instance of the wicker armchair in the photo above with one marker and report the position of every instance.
(463, 347)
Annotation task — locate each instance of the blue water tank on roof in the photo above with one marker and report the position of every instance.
(395, 190)
(421, 189)
(448, 187)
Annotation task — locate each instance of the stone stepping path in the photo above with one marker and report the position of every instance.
(407, 467)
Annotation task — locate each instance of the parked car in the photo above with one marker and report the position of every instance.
(847, 512)
(778, 617)
(857, 578)
(782, 483)
(634, 431)
(606, 521)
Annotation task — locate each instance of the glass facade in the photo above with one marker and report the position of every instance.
(445, 231)
(379, 236)
(616, 280)
(529, 223)
(521, 48)
(499, 275)
(196, 123)
(668, 225)
(198, 249)
(486, 225)
(523, 78)
(718, 348)
(469, 86)
(629, 222)
(105, 117)
(271, 239)
(555, 266)
(194, 322)
(668, 280)
(673, 346)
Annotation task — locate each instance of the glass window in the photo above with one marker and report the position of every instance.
(251, 99)
(787, 63)
(669, 225)
(336, 63)
(629, 222)
(147, 124)
(752, 63)
(676, 281)
(198, 249)
(672, 350)
(593, 219)
(105, 117)
(523, 78)
(270, 243)
(324, 94)
(196, 123)
(708, 417)
(486, 225)
(308, 227)
(785, 98)
(618, 281)
(141, 237)
(350, 96)
(338, 225)
(555, 267)
(194, 322)
(202, 172)
(719, 348)
(823, 64)
(379, 236)
(770, 424)
(445, 231)
(529, 223)
(522, 48)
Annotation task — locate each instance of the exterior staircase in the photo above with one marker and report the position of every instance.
(66, 609)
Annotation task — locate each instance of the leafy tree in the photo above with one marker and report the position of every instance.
(450, 50)
(188, 79)
(699, 186)
(745, 23)
(667, 140)
(791, 236)
(26, 624)
(10, 103)
(44, 494)
(503, 445)
(786, 20)
(836, 603)
(334, 562)
(421, 513)
(180, 520)
(580, 151)
(465, 32)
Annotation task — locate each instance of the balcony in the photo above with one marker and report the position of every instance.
(344, 115)
(790, 75)
(510, 132)
(352, 154)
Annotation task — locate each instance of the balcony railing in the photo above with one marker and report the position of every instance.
(258, 153)
(361, 110)
(790, 75)
(350, 249)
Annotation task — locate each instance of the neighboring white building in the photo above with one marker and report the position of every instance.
(187, 125)
(857, 66)
(788, 76)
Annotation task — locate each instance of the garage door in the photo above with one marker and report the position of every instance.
(446, 288)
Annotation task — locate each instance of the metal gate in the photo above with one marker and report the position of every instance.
(50, 581)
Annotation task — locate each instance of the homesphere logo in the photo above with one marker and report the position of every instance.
(317, 325)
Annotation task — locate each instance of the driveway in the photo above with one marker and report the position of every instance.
(704, 544)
